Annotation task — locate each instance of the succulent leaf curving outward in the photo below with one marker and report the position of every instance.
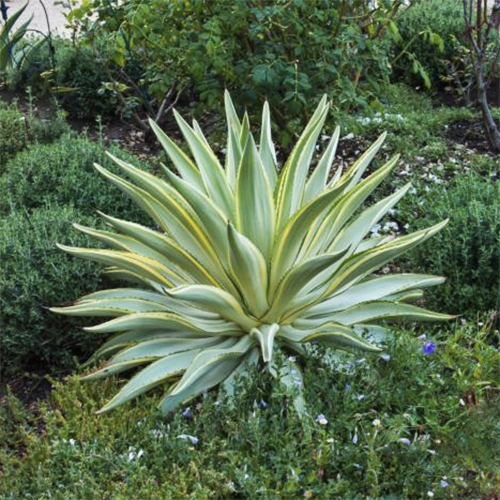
(245, 259)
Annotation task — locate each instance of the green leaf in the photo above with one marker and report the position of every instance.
(254, 200)
(248, 271)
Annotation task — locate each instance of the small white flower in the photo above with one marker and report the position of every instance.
(462, 402)
(377, 423)
(361, 397)
(192, 439)
(348, 136)
(355, 437)
(405, 441)
(386, 357)
(72, 442)
(430, 493)
(321, 419)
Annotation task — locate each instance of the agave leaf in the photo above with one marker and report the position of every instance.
(265, 336)
(292, 178)
(110, 307)
(181, 308)
(232, 116)
(248, 271)
(115, 273)
(159, 348)
(211, 367)
(373, 242)
(331, 332)
(116, 368)
(148, 268)
(254, 200)
(266, 148)
(360, 265)
(167, 322)
(233, 155)
(374, 289)
(353, 175)
(125, 340)
(207, 361)
(211, 216)
(288, 243)
(150, 377)
(298, 277)
(410, 296)
(188, 170)
(174, 274)
(175, 220)
(341, 212)
(383, 310)
(166, 246)
(318, 180)
(210, 168)
(214, 300)
(353, 233)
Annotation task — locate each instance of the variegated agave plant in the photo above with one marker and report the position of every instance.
(245, 259)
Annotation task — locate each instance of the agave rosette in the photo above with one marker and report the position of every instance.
(245, 259)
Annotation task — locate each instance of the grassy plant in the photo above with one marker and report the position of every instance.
(380, 436)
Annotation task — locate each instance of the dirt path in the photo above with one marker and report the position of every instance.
(55, 15)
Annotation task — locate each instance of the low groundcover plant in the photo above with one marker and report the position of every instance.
(246, 259)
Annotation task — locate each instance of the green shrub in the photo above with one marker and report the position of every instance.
(287, 52)
(443, 17)
(62, 173)
(80, 70)
(18, 130)
(467, 251)
(13, 136)
(382, 439)
(34, 274)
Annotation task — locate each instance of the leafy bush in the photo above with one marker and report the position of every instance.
(21, 129)
(249, 263)
(62, 173)
(13, 137)
(442, 17)
(80, 74)
(468, 249)
(287, 52)
(34, 275)
(76, 79)
(379, 438)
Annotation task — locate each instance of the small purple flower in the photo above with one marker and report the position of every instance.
(355, 438)
(405, 441)
(428, 348)
(444, 484)
(262, 404)
(187, 414)
(321, 419)
(347, 387)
